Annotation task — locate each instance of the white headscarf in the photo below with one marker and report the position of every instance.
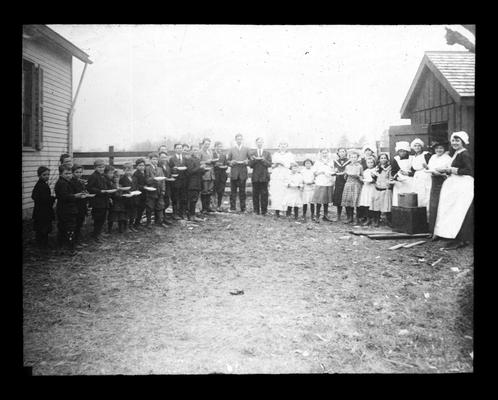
(402, 146)
(415, 141)
(370, 146)
(462, 135)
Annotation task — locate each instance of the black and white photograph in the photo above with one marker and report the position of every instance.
(247, 199)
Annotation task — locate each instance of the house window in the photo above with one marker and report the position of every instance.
(438, 133)
(32, 106)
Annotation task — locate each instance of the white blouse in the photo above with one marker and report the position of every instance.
(325, 179)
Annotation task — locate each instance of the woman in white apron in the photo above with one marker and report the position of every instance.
(440, 159)
(401, 171)
(421, 179)
(281, 162)
(456, 202)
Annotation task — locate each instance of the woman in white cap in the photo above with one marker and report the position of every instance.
(455, 219)
(440, 159)
(401, 171)
(282, 160)
(421, 183)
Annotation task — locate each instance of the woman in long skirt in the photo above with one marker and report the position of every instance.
(421, 179)
(340, 180)
(401, 171)
(282, 161)
(324, 184)
(382, 199)
(455, 218)
(440, 159)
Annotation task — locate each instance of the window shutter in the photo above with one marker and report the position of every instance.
(38, 101)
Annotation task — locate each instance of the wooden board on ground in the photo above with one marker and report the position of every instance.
(386, 235)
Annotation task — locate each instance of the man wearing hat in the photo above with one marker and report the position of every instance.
(401, 171)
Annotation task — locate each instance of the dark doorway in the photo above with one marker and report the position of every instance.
(438, 133)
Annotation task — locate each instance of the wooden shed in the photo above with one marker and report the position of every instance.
(47, 103)
(440, 99)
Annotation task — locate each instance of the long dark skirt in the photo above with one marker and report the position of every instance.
(437, 182)
(466, 232)
(338, 189)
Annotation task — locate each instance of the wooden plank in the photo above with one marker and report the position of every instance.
(397, 246)
(430, 91)
(369, 232)
(451, 119)
(402, 236)
(414, 244)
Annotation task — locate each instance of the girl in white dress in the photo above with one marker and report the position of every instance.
(294, 198)
(368, 190)
(309, 188)
(281, 162)
(421, 179)
(324, 184)
(401, 171)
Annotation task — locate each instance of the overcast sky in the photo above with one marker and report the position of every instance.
(307, 84)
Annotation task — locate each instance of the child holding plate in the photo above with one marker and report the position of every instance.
(155, 189)
(138, 184)
(82, 204)
(98, 185)
(294, 195)
(67, 209)
(119, 213)
(126, 180)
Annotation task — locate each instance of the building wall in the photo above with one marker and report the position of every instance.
(57, 96)
(435, 105)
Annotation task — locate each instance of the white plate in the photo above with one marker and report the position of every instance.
(127, 195)
(110, 191)
(207, 168)
(174, 175)
(150, 189)
(160, 178)
(136, 192)
(170, 179)
(89, 195)
(181, 168)
(125, 188)
(223, 166)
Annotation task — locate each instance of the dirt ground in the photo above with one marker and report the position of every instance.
(316, 300)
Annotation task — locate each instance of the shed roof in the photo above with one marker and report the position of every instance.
(454, 69)
(47, 33)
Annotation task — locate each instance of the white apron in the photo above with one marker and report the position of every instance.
(278, 182)
(421, 181)
(404, 183)
(455, 199)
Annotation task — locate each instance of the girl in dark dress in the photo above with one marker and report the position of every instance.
(43, 212)
(340, 180)
(455, 219)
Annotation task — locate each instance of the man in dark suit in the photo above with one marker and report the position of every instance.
(260, 161)
(154, 201)
(238, 158)
(195, 171)
(179, 186)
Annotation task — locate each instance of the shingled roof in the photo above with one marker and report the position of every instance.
(454, 69)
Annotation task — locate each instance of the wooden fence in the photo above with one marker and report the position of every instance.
(118, 158)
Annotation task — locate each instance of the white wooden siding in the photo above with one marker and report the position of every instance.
(57, 95)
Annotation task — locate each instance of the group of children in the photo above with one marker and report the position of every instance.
(361, 186)
(121, 197)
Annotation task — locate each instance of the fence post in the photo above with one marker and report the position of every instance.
(111, 155)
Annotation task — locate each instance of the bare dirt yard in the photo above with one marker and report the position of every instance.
(314, 301)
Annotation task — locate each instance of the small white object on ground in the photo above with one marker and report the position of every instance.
(454, 269)
(403, 332)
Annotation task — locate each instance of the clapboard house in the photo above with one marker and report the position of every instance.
(47, 103)
(440, 99)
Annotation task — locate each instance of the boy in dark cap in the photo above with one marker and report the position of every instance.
(67, 209)
(154, 200)
(43, 212)
(82, 204)
(97, 184)
(194, 184)
(138, 182)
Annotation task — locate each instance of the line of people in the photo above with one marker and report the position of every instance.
(365, 187)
